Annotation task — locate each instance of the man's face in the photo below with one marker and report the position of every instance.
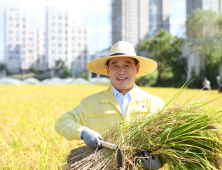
(122, 72)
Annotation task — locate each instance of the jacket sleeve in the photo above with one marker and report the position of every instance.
(72, 123)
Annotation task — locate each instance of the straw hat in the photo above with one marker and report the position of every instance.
(122, 49)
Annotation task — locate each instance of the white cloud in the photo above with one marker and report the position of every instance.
(99, 38)
(179, 4)
(35, 9)
(177, 26)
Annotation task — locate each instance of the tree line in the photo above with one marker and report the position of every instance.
(204, 35)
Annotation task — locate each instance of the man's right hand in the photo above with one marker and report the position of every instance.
(91, 138)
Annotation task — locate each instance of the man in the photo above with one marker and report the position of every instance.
(122, 101)
(206, 84)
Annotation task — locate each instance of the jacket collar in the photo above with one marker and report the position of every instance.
(138, 95)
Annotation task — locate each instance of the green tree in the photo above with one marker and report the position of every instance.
(61, 69)
(2, 66)
(204, 34)
(218, 37)
(35, 69)
(166, 51)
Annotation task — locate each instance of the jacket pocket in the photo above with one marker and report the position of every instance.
(139, 110)
(101, 122)
(108, 112)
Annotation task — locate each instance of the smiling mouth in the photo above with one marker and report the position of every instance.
(121, 78)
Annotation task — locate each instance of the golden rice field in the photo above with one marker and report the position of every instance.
(28, 113)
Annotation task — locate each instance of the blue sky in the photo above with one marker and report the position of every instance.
(96, 14)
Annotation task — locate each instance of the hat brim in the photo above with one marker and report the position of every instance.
(99, 65)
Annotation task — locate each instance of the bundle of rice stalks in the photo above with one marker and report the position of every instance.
(185, 137)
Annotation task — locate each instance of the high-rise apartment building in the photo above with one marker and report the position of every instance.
(159, 12)
(15, 40)
(64, 40)
(192, 5)
(23, 46)
(58, 36)
(40, 49)
(80, 54)
(134, 20)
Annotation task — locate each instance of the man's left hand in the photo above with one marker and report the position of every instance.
(146, 160)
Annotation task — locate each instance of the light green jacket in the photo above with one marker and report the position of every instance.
(101, 111)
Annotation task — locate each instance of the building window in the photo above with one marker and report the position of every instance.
(73, 44)
(60, 45)
(17, 25)
(30, 57)
(66, 52)
(53, 38)
(17, 52)
(53, 52)
(66, 39)
(66, 32)
(73, 38)
(60, 17)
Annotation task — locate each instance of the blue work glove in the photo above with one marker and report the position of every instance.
(91, 138)
(145, 162)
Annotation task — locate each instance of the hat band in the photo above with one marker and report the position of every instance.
(116, 54)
